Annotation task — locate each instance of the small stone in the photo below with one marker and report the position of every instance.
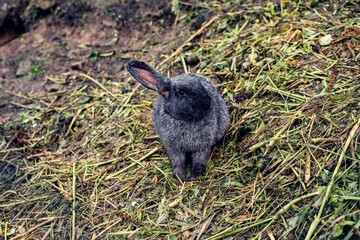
(107, 23)
(104, 3)
(52, 87)
(24, 68)
(44, 4)
(77, 65)
(192, 60)
(325, 40)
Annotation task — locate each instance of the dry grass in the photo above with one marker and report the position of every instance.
(88, 165)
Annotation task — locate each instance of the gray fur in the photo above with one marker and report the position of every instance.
(190, 116)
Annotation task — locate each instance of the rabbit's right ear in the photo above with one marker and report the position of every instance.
(149, 77)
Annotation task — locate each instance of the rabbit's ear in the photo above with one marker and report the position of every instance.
(149, 77)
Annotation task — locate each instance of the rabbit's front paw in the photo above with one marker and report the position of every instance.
(197, 170)
(180, 174)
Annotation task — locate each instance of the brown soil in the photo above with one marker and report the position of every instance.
(77, 37)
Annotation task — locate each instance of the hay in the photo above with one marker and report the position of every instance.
(86, 165)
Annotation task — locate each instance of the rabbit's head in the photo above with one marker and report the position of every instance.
(184, 97)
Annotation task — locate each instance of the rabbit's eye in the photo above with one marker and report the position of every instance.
(182, 93)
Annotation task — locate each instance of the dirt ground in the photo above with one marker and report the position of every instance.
(79, 37)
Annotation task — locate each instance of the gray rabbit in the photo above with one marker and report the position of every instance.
(190, 116)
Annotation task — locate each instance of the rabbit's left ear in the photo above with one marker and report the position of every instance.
(149, 77)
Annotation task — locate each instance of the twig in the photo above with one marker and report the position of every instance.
(21, 235)
(205, 225)
(100, 85)
(73, 214)
(73, 120)
(26, 107)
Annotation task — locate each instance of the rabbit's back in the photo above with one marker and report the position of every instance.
(223, 119)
